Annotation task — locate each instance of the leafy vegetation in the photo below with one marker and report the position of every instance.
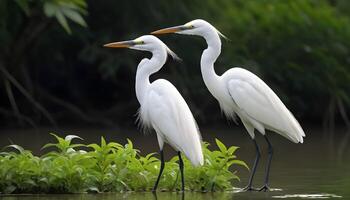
(109, 167)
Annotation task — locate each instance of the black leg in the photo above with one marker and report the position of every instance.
(267, 173)
(181, 165)
(160, 171)
(257, 158)
(155, 195)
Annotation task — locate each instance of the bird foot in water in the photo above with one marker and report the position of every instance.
(249, 188)
(264, 188)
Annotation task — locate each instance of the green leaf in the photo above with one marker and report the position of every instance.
(232, 150)
(76, 145)
(130, 145)
(103, 142)
(221, 146)
(15, 146)
(148, 156)
(59, 139)
(96, 147)
(74, 16)
(237, 162)
(114, 145)
(236, 177)
(63, 21)
(50, 9)
(75, 6)
(49, 145)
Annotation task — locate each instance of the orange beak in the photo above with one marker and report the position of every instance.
(123, 44)
(173, 29)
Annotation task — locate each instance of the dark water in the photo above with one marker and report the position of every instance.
(317, 169)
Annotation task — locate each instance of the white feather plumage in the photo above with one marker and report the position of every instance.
(163, 108)
(166, 111)
(240, 92)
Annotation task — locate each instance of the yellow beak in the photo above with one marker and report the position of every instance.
(173, 29)
(123, 44)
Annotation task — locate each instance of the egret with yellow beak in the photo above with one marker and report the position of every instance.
(240, 92)
(161, 105)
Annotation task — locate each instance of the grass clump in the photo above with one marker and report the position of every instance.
(109, 167)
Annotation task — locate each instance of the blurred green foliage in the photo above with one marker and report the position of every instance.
(300, 48)
(110, 167)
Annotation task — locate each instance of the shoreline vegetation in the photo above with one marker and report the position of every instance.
(73, 167)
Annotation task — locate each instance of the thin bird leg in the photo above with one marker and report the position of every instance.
(162, 163)
(257, 158)
(155, 195)
(181, 165)
(267, 173)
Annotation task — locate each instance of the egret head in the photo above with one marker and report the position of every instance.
(144, 43)
(195, 27)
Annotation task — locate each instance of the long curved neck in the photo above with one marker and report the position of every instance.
(146, 68)
(209, 56)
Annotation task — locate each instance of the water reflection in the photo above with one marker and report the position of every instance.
(308, 196)
(175, 196)
(130, 195)
(239, 190)
(182, 196)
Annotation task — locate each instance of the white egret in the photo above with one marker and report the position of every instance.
(161, 106)
(240, 92)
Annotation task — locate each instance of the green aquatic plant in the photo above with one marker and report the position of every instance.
(20, 171)
(70, 167)
(215, 174)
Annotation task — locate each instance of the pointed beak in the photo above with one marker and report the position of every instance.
(123, 44)
(173, 29)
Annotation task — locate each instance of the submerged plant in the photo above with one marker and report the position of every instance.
(110, 167)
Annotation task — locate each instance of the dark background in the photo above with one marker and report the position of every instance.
(55, 73)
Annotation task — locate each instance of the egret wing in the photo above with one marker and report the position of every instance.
(170, 115)
(259, 102)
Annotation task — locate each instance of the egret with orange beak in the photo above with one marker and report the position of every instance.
(162, 107)
(240, 92)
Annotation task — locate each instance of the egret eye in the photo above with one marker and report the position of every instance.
(189, 26)
(139, 42)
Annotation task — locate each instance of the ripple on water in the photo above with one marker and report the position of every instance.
(308, 196)
(239, 190)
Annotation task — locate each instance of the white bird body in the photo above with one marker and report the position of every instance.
(164, 109)
(258, 106)
(240, 92)
(161, 105)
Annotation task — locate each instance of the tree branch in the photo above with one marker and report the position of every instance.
(23, 117)
(343, 114)
(75, 109)
(9, 77)
(12, 101)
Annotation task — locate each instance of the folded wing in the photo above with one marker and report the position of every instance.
(260, 103)
(168, 113)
